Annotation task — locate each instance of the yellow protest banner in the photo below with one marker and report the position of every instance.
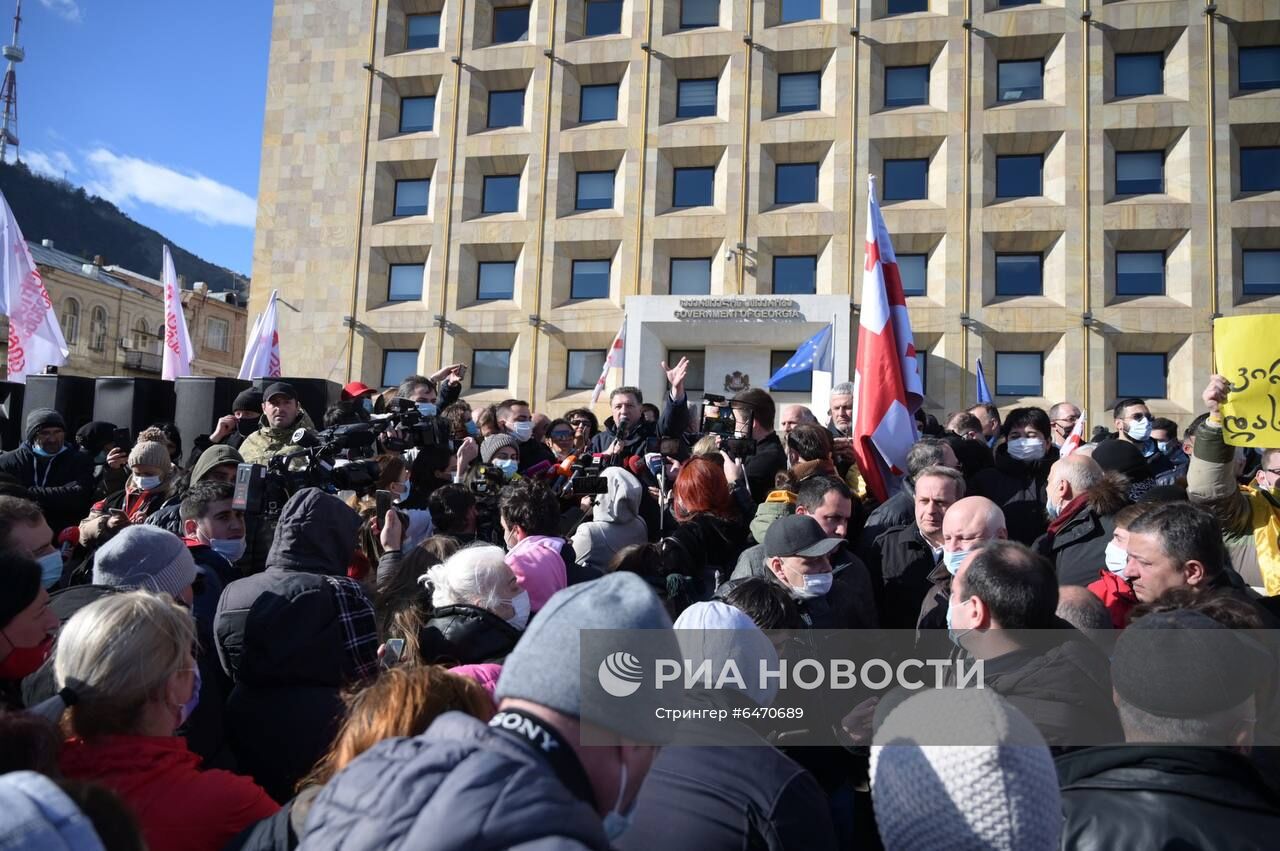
(1247, 351)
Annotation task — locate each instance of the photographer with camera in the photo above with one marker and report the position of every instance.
(282, 415)
(753, 411)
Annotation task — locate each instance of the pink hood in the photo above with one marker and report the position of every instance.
(538, 567)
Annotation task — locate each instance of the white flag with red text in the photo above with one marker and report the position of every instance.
(35, 338)
(262, 348)
(177, 354)
(887, 387)
(615, 357)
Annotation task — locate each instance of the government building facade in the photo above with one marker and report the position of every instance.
(1074, 189)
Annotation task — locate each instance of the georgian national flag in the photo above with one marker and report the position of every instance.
(615, 357)
(1075, 438)
(887, 387)
(35, 338)
(177, 353)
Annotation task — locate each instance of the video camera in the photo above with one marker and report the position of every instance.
(316, 463)
(403, 416)
(723, 424)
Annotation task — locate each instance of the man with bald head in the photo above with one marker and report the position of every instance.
(967, 525)
(1062, 419)
(794, 415)
(1082, 503)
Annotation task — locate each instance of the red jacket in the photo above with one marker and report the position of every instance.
(178, 807)
(1116, 595)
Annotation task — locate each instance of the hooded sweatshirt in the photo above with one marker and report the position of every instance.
(539, 568)
(61, 485)
(615, 523)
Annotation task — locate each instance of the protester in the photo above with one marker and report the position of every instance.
(824, 498)
(1111, 586)
(1164, 432)
(128, 660)
(42, 813)
(57, 474)
(968, 524)
(1018, 482)
(99, 440)
(1082, 503)
(1125, 458)
(454, 513)
(794, 415)
(27, 625)
(585, 427)
(530, 760)
(709, 529)
(516, 420)
(282, 415)
(218, 463)
(754, 412)
(1081, 608)
(966, 425)
(477, 611)
(559, 439)
(615, 522)
(1063, 418)
(530, 517)
(24, 530)
(989, 418)
(899, 509)
(766, 602)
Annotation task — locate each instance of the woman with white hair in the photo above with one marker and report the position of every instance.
(125, 664)
(478, 609)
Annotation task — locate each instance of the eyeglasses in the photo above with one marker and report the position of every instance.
(580, 424)
(1067, 421)
(561, 435)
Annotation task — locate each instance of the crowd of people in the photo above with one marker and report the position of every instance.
(176, 673)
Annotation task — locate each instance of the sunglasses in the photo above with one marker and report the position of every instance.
(561, 435)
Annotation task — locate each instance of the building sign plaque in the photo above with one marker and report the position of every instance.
(750, 309)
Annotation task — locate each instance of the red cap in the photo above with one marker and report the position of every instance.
(356, 389)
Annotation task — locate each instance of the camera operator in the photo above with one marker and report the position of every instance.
(753, 411)
(360, 395)
(282, 415)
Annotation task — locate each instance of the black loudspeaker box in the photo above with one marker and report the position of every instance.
(135, 403)
(69, 395)
(202, 401)
(12, 427)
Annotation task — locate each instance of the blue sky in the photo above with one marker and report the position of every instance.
(155, 105)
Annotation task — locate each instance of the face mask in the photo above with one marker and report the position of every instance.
(147, 483)
(952, 633)
(22, 661)
(1116, 558)
(100, 458)
(1052, 510)
(815, 585)
(521, 604)
(404, 494)
(1164, 446)
(246, 426)
(39, 450)
(50, 568)
(508, 466)
(616, 821)
(232, 549)
(1026, 448)
(427, 409)
(367, 405)
(1139, 429)
(192, 702)
(472, 428)
(953, 561)
(522, 431)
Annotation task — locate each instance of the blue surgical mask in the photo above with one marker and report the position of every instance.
(367, 404)
(232, 549)
(508, 466)
(522, 431)
(616, 821)
(1052, 509)
(953, 560)
(1139, 430)
(952, 633)
(404, 494)
(1026, 448)
(50, 568)
(147, 483)
(39, 450)
(427, 409)
(1164, 446)
(193, 701)
(472, 428)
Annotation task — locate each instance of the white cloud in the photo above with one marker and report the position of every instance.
(55, 164)
(124, 179)
(68, 10)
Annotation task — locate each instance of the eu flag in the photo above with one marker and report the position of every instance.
(814, 354)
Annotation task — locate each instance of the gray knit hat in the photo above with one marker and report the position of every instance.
(152, 454)
(959, 769)
(547, 668)
(145, 557)
(493, 443)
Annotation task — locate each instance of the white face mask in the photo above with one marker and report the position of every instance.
(1026, 448)
(522, 431)
(815, 585)
(405, 489)
(521, 604)
(1116, 558)
(1139, 429)
(616, 821)
(147, 483)
(232, 549)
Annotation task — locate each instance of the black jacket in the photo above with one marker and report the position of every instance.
(705, 546)
(762, 467)
(1076, 545)
(465, 635)
(1165, 797)
(534, 452)
(897, 510)
(1020, 488)
(61, 485)
(671, 423)
(850, 604)
(901, 561)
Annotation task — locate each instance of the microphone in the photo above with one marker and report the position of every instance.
(623, 424)
(305, 438)
(635, 466)
(538, 470)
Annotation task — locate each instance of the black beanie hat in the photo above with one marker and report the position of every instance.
(1121, 456)
(42, 418)
(19, 586)
(248, 400)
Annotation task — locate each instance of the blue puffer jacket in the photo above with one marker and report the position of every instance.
(459, 785)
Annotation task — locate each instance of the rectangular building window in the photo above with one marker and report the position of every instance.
(506, 108)
(510, 23)
(695, 14)
(1019, 374)
(1139, 172)
(907, 85)
(595, 190)
(422, 32)
(1139, 74)
(906, 180)
(696, 98)
(1021, 79)
(604, 17)
(404, 281)
(800, 382)
(796, 275)
(1019, 274)
(694, 187)
(799, 92)
(1139, 273)
(1259, 169)
(1141, 376)
(795, 183)
(800, 10)
(695, 379)
(217, 335)
(1259, 68)
(397, 365)
(489, 368)
(417, 114)
(1261, 272)
(1019, 176)
(411, 197)
(583, 368)
(690, 276)
(913, 269)
(598, 103)
(1009, 4)
(590, 279)
(496, 280)
(905, 7)
(501, 193)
